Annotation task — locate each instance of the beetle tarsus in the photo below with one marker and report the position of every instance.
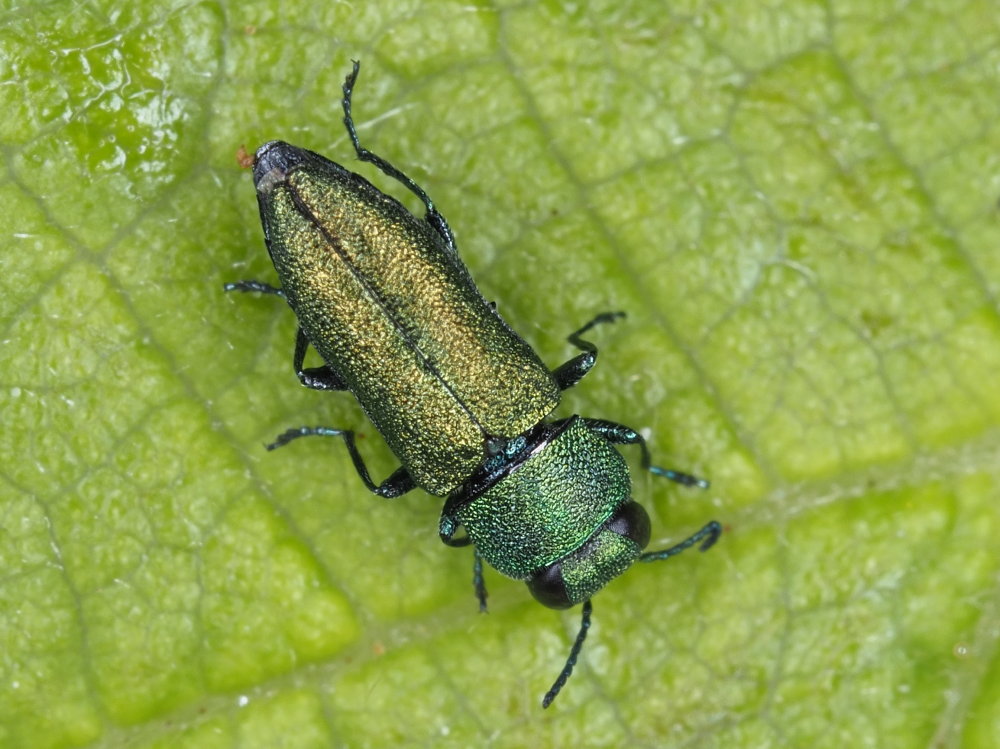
(570, 373)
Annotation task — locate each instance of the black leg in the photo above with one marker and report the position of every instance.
(446, 530)
(477, 579)
(710, 533)
(619, 434)
(435, 219)
(317, 378)
(573, 371)
(574, 653)
(396, 485)
(263, 288)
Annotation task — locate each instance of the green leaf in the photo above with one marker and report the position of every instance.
(796, 205)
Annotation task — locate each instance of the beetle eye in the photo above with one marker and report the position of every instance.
(548, 585)
(548, 588)
(632, 522)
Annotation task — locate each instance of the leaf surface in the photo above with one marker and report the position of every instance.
(796, 204)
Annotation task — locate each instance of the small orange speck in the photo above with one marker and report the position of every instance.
(243, 158)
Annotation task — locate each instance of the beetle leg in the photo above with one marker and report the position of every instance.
(574, 653)
(447, 528)
(435, 219)
(317, 378)
(619, 434)
(477, 579)
(710, 533)
(573, 371)
(396, 485)
(261, 286)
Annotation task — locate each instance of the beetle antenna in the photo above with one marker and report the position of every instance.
(710, 533)
(573, 655)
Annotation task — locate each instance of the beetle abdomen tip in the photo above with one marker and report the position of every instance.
(272, 161)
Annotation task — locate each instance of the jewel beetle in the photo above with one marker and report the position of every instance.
(461, 400)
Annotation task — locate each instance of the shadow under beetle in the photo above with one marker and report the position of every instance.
(458, 396)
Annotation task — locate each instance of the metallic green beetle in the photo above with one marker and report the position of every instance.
(458, 396)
